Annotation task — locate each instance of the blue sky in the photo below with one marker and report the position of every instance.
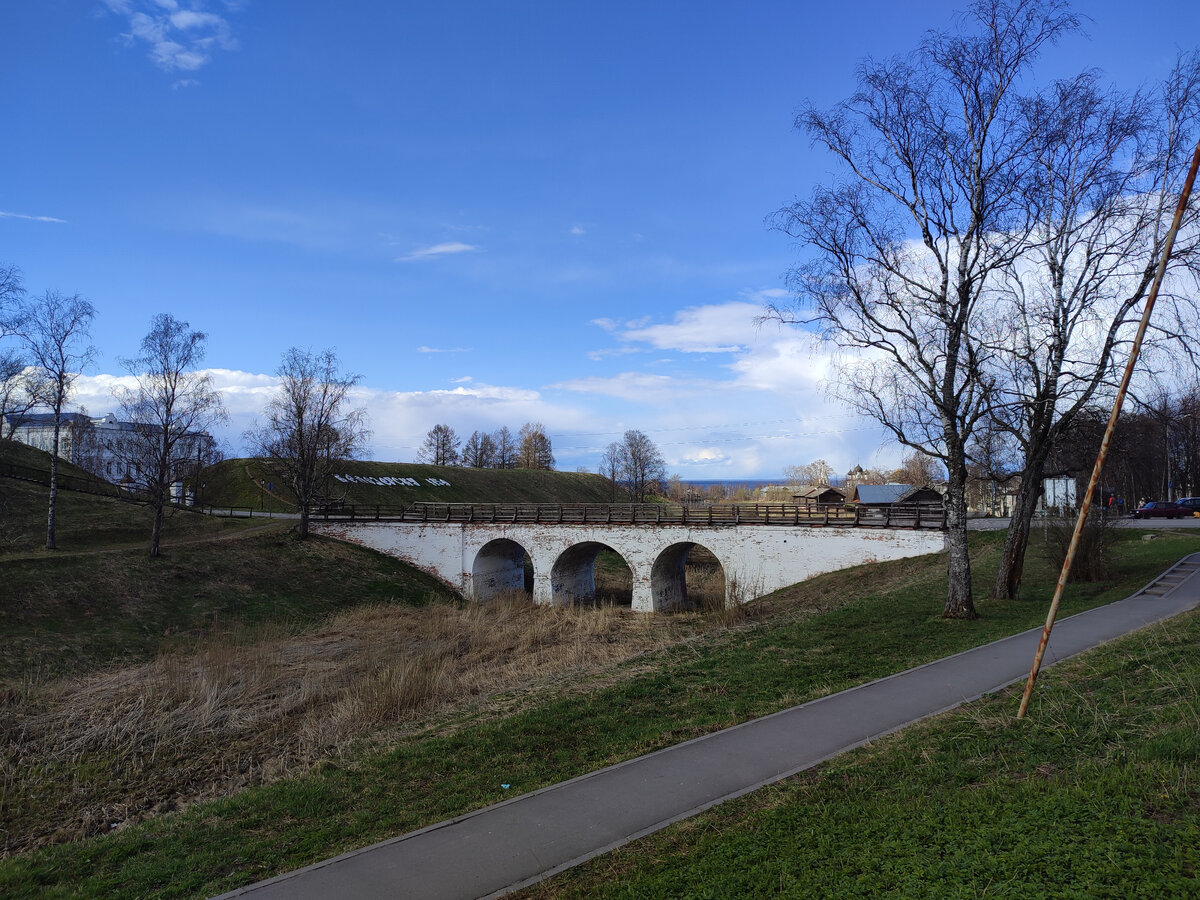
(494, 212)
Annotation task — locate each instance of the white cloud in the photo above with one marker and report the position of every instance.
(578, 230)
(476, 391)
(765, 295)
(598, 355)
(243, 392)
(190, 18)
(178, 39)
(448, 248)
(398, 419)
(720, 328)
(705, 456)
(637, 387)
(795, 362)
(13, 215)
(755, 410)
(763, 408)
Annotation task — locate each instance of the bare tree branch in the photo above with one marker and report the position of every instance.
(308, 429)
(169, 411)
(53, 326)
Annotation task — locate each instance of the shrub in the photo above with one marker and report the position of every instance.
(1093, 556)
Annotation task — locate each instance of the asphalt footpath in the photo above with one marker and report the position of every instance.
(500, 848)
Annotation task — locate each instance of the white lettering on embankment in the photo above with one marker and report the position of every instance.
(389, 481)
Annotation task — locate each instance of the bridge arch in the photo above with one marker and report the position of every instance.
(669, 576)
(573, 575)
(498, 568)
(483, 559)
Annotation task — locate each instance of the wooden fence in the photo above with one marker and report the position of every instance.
(836, 515)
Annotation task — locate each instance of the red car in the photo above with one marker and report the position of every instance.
(1161, 509)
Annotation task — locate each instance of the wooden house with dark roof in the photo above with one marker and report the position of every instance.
(880, 495)
(817, 495)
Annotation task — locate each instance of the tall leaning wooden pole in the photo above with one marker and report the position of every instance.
(1108, 432)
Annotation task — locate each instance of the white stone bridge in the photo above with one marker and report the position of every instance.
(479, 549)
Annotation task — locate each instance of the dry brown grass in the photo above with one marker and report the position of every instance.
(248, 708)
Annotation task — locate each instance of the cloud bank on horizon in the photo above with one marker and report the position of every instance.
(765, 411)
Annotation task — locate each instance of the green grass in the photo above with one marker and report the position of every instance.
(828, 634)
(235, 482)
(100, 600)
(74, 613)
(1097, 794)
(84, 522)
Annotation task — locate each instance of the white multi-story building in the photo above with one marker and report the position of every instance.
(103, 446)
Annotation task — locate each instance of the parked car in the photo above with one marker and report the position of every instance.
(1161, 509)
(1192, 503)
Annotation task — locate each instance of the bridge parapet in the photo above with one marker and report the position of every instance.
(822, 515)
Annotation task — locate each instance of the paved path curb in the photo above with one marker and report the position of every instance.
(494, 850)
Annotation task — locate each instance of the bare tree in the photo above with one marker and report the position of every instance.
(916, 468)
(16, 395)
(479, 452)
(610, 468)
(440, 447)
(1183, 479)
(53, 327)
(12, 290)
(676, 490)
(1099, 198)
(309, 428)
(639, 464)
(814, 473)
(534, 450)
(169, 410)
(908, 244)
(715, 493)
(86, 448)
(506, 448)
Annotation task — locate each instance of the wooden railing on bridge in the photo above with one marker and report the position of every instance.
(835, 515)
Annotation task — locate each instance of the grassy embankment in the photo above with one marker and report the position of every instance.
(413, 765)
(84, 522)
(239, 482)
(133, 686)
(1096, 794)
(100, 599)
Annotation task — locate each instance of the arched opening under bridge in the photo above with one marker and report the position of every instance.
(501, 567)
(688, 575)
(591, 573)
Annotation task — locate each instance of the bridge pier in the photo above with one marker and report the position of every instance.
(643, 598)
